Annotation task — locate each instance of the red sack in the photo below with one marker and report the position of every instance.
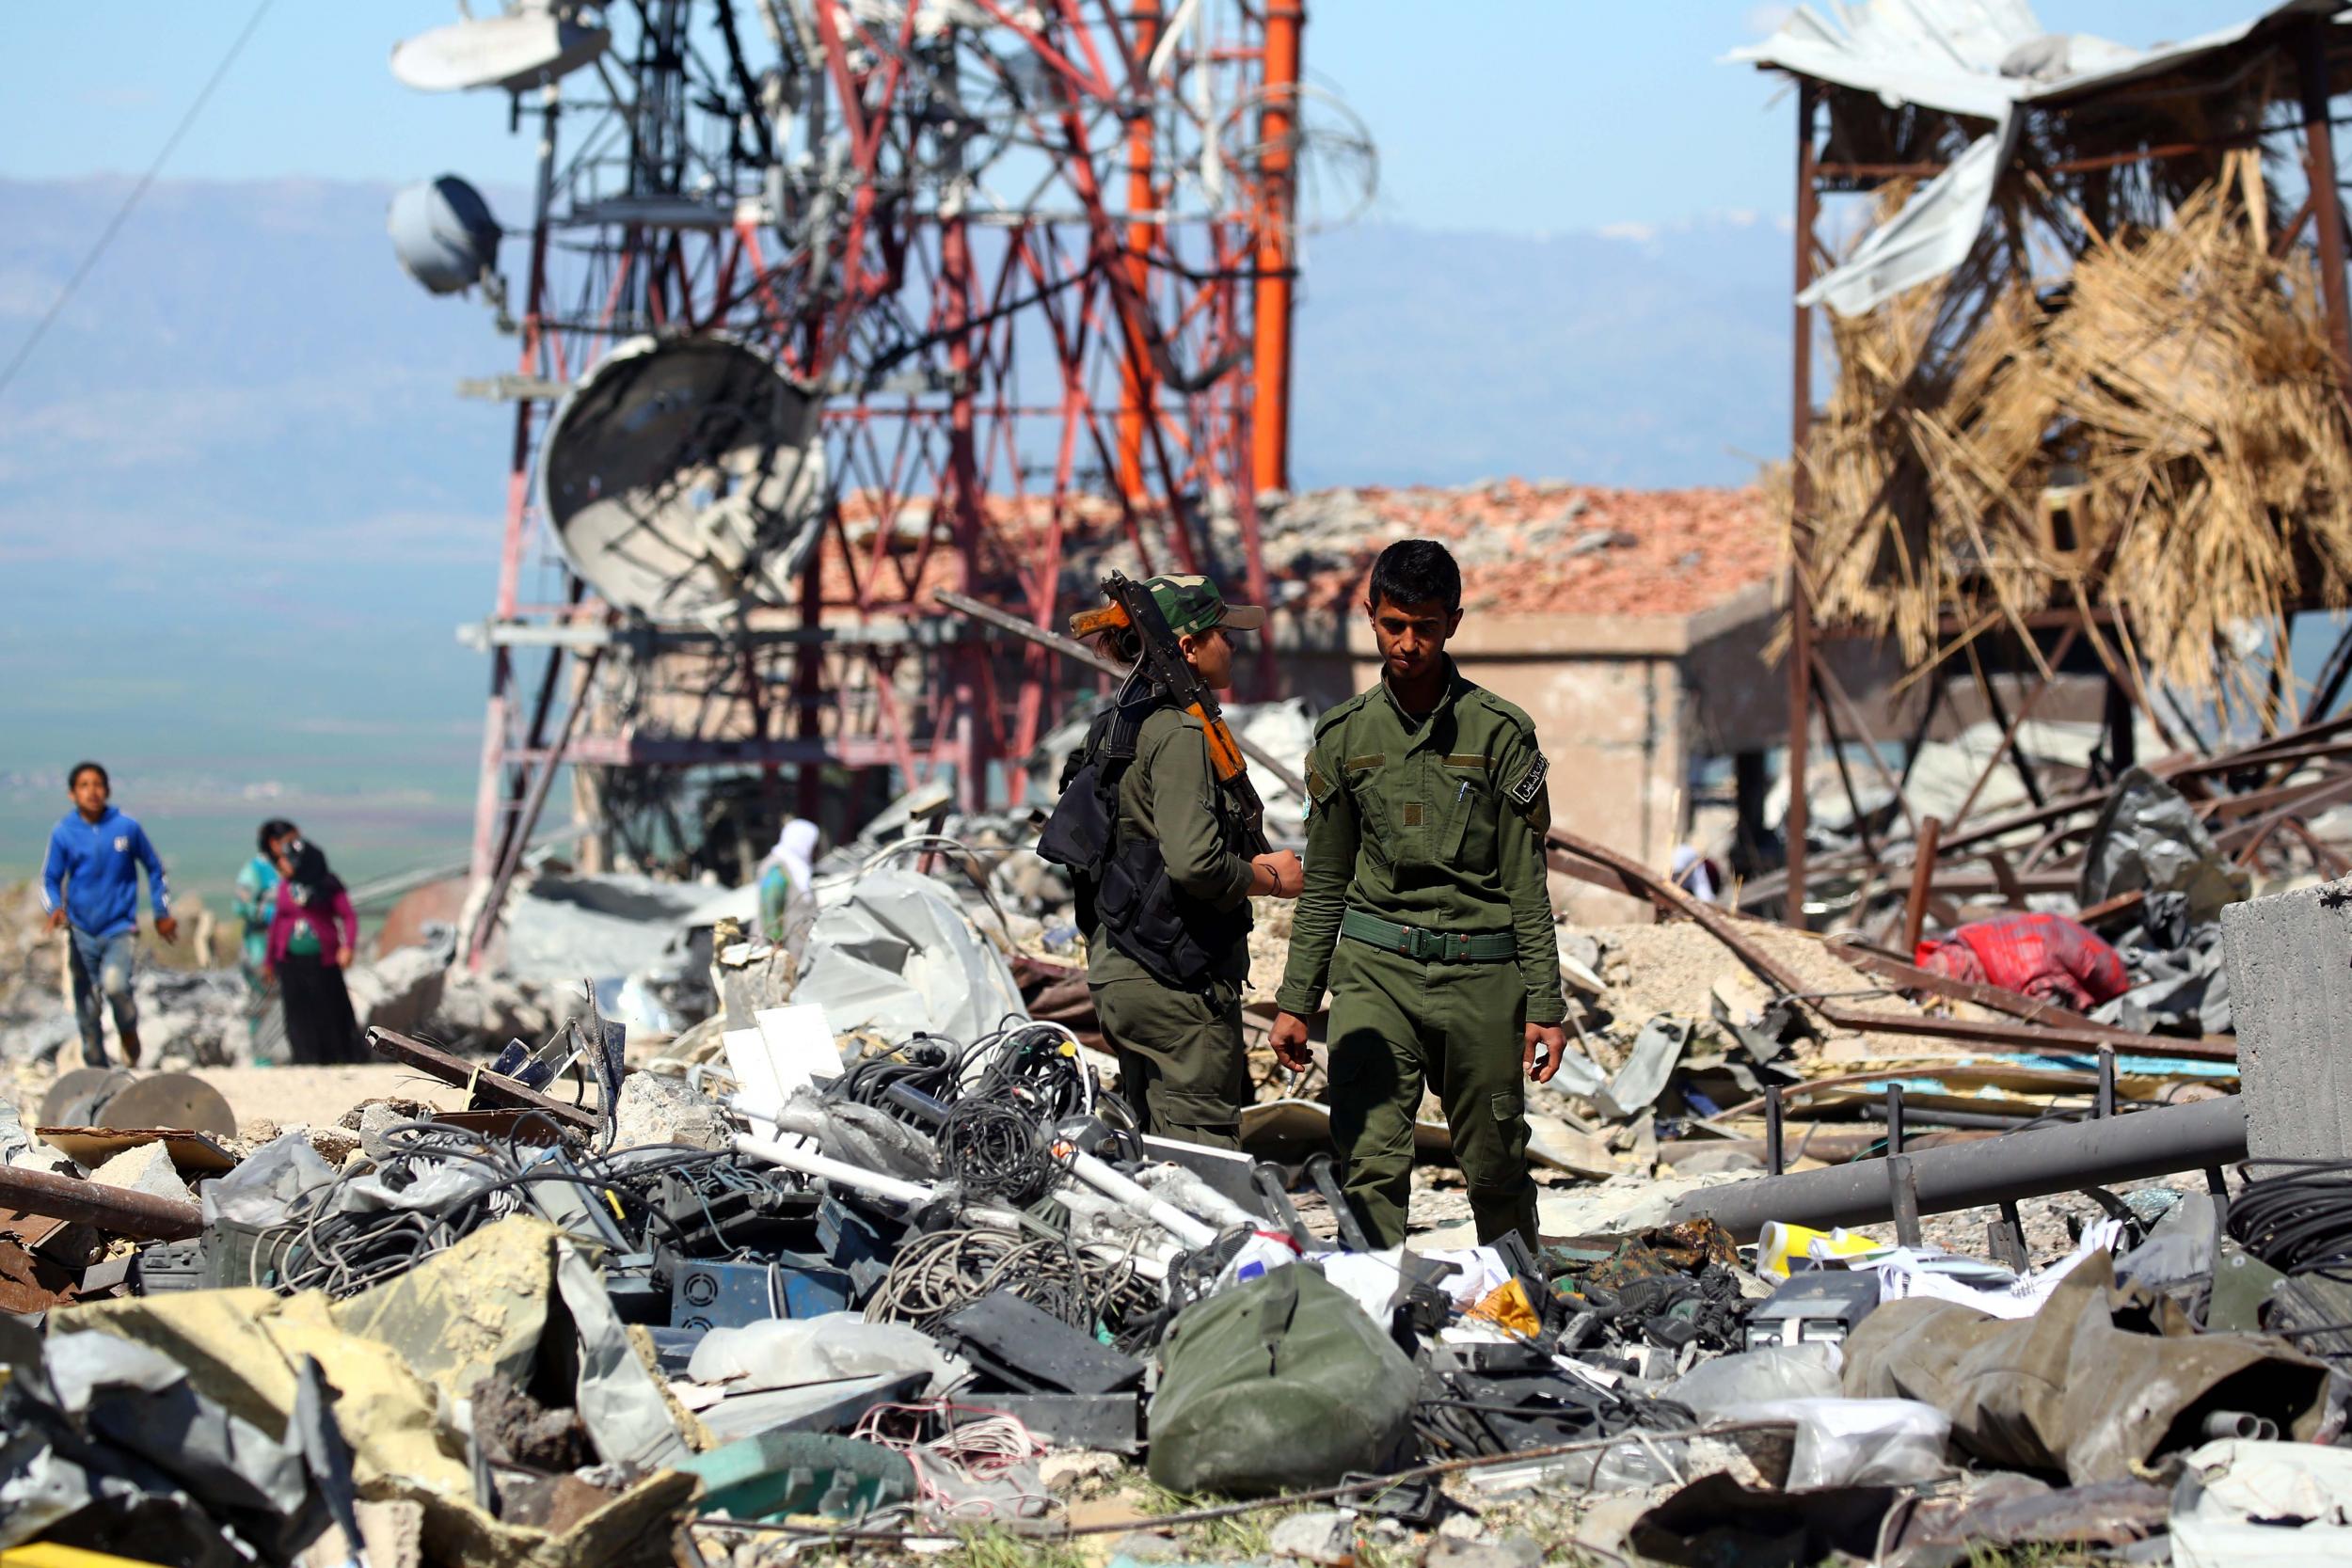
(2049, 956)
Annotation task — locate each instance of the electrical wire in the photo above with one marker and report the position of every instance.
(937, 1274)
(994, 1149)
(2299, 1221)
(122, 214)
(974, 1445)
(341, 1238)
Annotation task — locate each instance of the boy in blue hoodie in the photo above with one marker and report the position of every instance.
(91, 885)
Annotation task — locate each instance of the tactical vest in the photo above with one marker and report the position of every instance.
(1122, 878)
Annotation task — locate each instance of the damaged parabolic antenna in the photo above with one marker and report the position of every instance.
(682, 477)
(530, 45)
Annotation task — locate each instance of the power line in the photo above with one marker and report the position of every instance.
(114, 226)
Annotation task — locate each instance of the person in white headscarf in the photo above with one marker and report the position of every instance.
(787, 898)
(1697, 874)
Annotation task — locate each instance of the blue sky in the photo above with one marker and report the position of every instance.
(1526, 116)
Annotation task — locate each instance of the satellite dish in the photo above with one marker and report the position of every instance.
(443, 234)
(522, 49)
(683, 477)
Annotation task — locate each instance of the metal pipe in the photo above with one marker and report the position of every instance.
(856, 1177)
(1989, 1171)
(1137, 1199)
(117, 1211)
(1922, 877)
(2320, 172)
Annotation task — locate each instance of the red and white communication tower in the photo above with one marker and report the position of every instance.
(830, 305)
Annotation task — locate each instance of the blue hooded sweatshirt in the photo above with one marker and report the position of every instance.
(98, 864)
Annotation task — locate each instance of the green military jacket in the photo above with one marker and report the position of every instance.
(1436, 824)
(1169, 793)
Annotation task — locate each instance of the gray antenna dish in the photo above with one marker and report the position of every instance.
(684, 478)
(525, 48)
(443, 234)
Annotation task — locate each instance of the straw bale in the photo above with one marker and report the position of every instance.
(2179, 379)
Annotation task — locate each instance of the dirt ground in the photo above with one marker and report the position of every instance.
(285, 1096)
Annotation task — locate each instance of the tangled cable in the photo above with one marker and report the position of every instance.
(2301, 1220)
(996, 1148)
(1037, 1064)
(938, 1274)
(435, 1185)
(971, 1446)
(946, 1270)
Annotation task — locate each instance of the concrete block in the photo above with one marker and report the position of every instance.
(658, 1109)
(146, 1169)
(2290, 965)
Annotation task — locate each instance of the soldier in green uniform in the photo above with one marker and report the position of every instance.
(1165, 904)
(1426, 912)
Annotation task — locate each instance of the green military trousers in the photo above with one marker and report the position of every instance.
(1397, 1024)
(1182, 1066)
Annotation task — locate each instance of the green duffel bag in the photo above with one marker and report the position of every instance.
(1279, 1386)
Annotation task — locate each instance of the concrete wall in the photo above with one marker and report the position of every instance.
(2291, 990)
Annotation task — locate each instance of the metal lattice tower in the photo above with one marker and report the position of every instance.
(860, 301)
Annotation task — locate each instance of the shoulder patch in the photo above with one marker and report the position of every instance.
(1528, 788)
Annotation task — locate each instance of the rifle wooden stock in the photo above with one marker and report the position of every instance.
(1092, 623)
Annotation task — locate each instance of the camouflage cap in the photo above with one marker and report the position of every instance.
(1194, 604)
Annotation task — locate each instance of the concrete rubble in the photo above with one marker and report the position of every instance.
(776, 1289)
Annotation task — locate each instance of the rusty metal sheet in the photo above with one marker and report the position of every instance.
(29, 1282)
(94, 1146)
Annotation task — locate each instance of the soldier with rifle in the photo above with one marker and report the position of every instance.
(1165, 839)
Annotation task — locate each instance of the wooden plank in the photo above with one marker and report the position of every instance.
(489, 1090)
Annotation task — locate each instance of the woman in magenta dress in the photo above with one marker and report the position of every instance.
(311, 933)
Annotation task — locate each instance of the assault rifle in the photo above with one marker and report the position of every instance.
(1004, 619)
(1163, 664)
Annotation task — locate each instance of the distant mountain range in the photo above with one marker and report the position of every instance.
(1655, 358)
(242, 508)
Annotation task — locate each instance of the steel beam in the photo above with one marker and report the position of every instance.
(1278, 126)
(2327, 210)
(1994, 1170)
(1800, 650)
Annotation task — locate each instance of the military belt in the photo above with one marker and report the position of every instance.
(1487, 947)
